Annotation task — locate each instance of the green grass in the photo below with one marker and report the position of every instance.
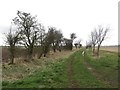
(55, 75)
(52, 76)
(83, 75)
(106, 65)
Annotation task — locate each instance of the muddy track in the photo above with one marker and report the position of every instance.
(72, 82)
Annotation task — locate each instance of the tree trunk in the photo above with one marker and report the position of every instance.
(59, 48)
(12, 59)
(71, 46)
(76, 46)
(30, 52)
(42, 50)
(40, 55)
(44, 54)
(12, 54)
(93, 49)
(54, 48)
(98, 50)
(46, 49)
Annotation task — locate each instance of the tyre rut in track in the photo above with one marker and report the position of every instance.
(70, 72)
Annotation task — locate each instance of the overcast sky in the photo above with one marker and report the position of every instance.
(78, 16)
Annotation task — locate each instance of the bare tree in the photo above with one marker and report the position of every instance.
(12, 39)
(29, 26)
(58, 39)
(46, 44)
(55, 37)
(47, 40)
(51, 37)
(42, 34)
(41, 39)
(101, 34)
(94, 40)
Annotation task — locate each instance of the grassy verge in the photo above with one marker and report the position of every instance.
(22, 69)
(106, 66)
(52, 76)
(83, 75)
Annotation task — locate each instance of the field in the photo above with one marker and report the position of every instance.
(110, 48)
(67, 69)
